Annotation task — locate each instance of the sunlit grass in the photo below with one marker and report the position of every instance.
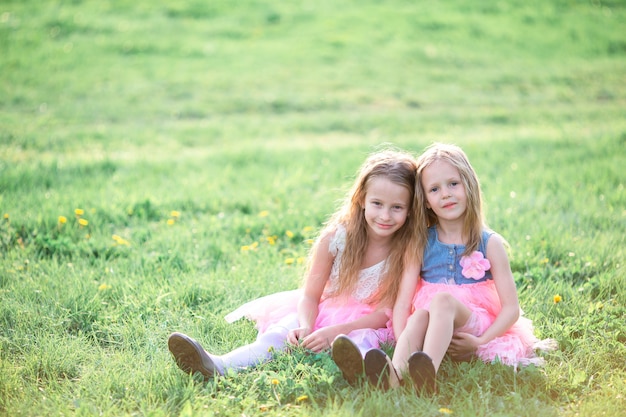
(162, 164)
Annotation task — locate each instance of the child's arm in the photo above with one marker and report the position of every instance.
(323, 338)
(313, 288)
(507, 292)
(404, 301)
(505, 285)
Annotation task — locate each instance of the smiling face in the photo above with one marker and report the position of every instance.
(444, 190)
(386, 206)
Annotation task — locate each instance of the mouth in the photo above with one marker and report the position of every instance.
(449, 205)
(384, 226)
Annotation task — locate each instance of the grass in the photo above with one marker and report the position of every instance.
(206, 142)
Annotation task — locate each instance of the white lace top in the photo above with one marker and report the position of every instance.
(369, 278)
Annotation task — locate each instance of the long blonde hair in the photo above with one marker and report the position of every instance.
(399, 167)
(474, 221)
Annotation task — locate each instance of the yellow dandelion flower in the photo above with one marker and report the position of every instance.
(307, 229)
(120, 240)
(254, 245)
(289, 261)
(557, 299)
(545, 261)
(302, 398)
(271, 240)
(445, 411)
(79, 212)
(245, 247)
(175, 214)
(309, 241)
(104, 287)
(275, 381)
(83, 222)
(289, 234)
(6, 216)
(62, 219)
(264, 213)
(301, 260)
(170, 222)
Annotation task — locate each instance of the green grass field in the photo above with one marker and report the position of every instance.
(160, 164)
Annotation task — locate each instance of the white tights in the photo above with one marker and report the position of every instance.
(273, 339)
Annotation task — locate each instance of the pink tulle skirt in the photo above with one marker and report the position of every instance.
(518, 346)
(273, 308)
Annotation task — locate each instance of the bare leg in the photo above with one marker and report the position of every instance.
(411, 340)
(446, 314)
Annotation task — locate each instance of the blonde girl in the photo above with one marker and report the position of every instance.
(466, 300)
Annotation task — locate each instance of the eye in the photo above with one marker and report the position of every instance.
(433, 190)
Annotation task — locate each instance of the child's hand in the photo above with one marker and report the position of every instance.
(296, 335)
(463, 345)
(320, 339)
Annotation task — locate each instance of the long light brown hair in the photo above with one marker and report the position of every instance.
(474, 221)
(400, 168)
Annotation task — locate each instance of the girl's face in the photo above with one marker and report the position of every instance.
(444, 190)
(386, 206)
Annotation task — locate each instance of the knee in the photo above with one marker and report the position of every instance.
(442, 302)
(274, 335)
(418, 318)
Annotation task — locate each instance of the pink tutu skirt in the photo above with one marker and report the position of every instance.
(273, 308)
(518, 346)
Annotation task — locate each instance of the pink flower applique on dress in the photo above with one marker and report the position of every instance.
(475, 265)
